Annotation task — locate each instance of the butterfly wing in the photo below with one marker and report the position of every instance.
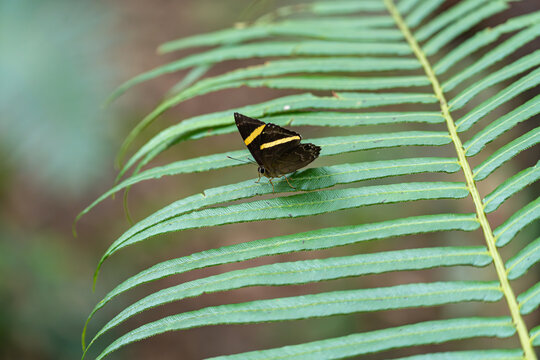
(265, 141)
(247, 127)
(276, 149)
(294, 158)
(276, 141)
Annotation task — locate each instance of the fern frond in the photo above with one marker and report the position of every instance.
(378, 65)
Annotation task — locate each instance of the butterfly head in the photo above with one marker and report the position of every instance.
(264, 172)
(267, 172)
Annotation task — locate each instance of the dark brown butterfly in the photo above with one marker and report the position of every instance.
(276, 150)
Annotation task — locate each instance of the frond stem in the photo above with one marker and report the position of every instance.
(486, 228)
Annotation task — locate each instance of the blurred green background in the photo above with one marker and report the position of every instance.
(59, 60)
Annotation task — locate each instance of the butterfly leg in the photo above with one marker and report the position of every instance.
(271, 183)
(288, 182)
(259, 179)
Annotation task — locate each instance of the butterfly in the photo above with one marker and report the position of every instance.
(276, 150)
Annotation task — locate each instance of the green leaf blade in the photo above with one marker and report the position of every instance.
(505, 153)
(523, 260)
(421, 11)
(529, 300)
(511, 186)
(535, 336)
(405, 6)
(345, 7)
(325, 29)
(513, 354)
(429, 332)
(336, 119)
(523, 217)
(342, 144)
(301, 205)
(306, 82)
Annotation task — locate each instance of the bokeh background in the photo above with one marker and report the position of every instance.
(59, 60)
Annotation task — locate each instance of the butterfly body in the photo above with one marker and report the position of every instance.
(277, 151)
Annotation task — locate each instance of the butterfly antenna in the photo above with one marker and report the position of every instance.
(244, 161)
